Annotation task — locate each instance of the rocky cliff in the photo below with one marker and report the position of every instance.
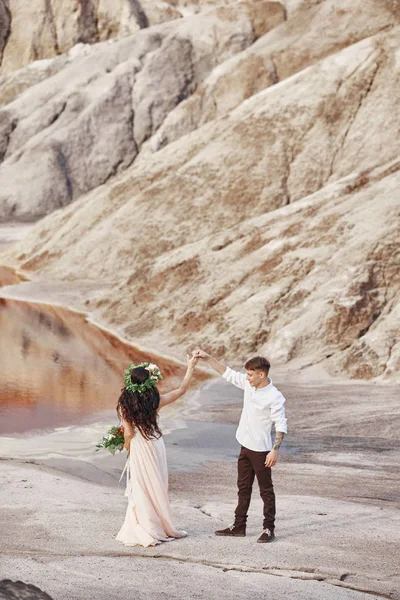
(233, 173)
(70, 124)
(42, 29)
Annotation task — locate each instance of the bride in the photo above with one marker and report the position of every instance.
(148, 519)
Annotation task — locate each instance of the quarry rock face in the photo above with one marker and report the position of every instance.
(42, 29)
(232, 173)
(87, 120)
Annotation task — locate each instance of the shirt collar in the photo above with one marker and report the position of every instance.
(265, 388)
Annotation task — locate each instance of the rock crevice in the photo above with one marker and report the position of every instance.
(5, 26)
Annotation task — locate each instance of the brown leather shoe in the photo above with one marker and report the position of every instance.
(266, 536)
(233, 531)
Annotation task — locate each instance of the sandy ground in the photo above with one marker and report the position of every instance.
(337, 485)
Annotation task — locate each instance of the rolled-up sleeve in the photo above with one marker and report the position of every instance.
(235, 377)
(278, 415)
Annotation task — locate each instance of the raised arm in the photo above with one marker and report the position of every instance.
(213, 362)
(170, 397)
(235, 377)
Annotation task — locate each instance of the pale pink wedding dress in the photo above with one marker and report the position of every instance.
(148, 519)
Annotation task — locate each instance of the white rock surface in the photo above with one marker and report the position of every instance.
(42, 29)
(80, 120)
(255, 217)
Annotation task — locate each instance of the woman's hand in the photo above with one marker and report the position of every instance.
(192, 361)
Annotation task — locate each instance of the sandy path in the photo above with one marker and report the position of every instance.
(338, 528)
(57, 531)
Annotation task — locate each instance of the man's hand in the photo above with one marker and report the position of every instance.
(271, 459)
(272, 456)
(213, 362)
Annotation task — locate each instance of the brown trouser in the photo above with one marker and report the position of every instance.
(252, 464)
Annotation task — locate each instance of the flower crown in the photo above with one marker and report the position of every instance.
(151, 381)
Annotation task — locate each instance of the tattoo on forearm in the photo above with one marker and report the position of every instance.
(278, 440)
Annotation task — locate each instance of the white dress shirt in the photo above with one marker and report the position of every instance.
(261, 408)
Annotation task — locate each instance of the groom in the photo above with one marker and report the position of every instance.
(263, 405)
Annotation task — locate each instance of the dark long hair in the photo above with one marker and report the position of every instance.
(140, 409)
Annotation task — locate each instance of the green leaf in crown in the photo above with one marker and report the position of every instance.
(152, 380)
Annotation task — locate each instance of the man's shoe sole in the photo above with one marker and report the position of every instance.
(265, 541)
(230, 534)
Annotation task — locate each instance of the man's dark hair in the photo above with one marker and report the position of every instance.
(258, 363)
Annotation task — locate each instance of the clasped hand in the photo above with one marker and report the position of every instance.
(198, 353)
